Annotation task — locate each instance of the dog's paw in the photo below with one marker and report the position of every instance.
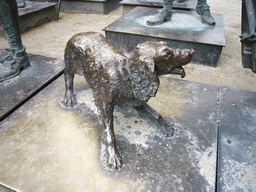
(114, 159)
(69, 100)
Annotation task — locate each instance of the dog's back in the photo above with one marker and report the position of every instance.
(89, 47)
(103, 65)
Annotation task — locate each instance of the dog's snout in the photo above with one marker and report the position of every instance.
(192, 52)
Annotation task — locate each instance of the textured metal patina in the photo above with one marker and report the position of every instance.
(118, 80)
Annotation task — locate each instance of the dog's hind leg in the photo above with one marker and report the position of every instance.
(69, 99)
(106, 114)
(148, 112)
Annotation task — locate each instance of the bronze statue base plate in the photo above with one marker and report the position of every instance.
(53, 148)
(33, 15)
(16, 91)
(128, 5)
(48, 147)
(184, 31)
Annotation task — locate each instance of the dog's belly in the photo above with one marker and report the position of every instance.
(127, 104)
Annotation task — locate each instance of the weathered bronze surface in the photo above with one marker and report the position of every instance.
(165, 14)
(17, 58)
(118, 80)
(248, 37)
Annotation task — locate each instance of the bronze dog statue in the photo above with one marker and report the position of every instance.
(116, 79)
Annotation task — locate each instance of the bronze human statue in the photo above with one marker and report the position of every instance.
(166, 13)
(248, 36)
(17, 59)
(118, 80)
(21, 3)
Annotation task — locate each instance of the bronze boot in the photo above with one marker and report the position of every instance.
(7, 57)
(12, 67)
(204, 10)
(164, 15)
(21, 3)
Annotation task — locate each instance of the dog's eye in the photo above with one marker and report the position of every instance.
(167, 56)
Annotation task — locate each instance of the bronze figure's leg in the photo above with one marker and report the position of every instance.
(248, 36)
(146, 111)
(69, 73)
(164, 15)
(69, 99)
(17, 58)
(106, 114)
(204, 10)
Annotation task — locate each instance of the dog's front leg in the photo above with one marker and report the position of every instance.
(69, 99)
(114, 159)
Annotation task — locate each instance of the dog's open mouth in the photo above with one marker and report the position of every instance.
(178, 71)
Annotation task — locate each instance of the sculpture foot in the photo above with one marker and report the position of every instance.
(69, 100)
(21, 4)
(161, 17)
(114, 159)
(12, 66)
(204, 11)
(168, 130)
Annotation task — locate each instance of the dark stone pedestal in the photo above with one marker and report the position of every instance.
(184, 31)
(16, 91)
(34, 14)
(128, 5)
(89, 6)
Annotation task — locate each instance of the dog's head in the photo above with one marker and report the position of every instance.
(151, 59)
(167, 59)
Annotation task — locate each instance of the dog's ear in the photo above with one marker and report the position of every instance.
(144, 81)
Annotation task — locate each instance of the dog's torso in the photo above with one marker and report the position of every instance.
(104, 67)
